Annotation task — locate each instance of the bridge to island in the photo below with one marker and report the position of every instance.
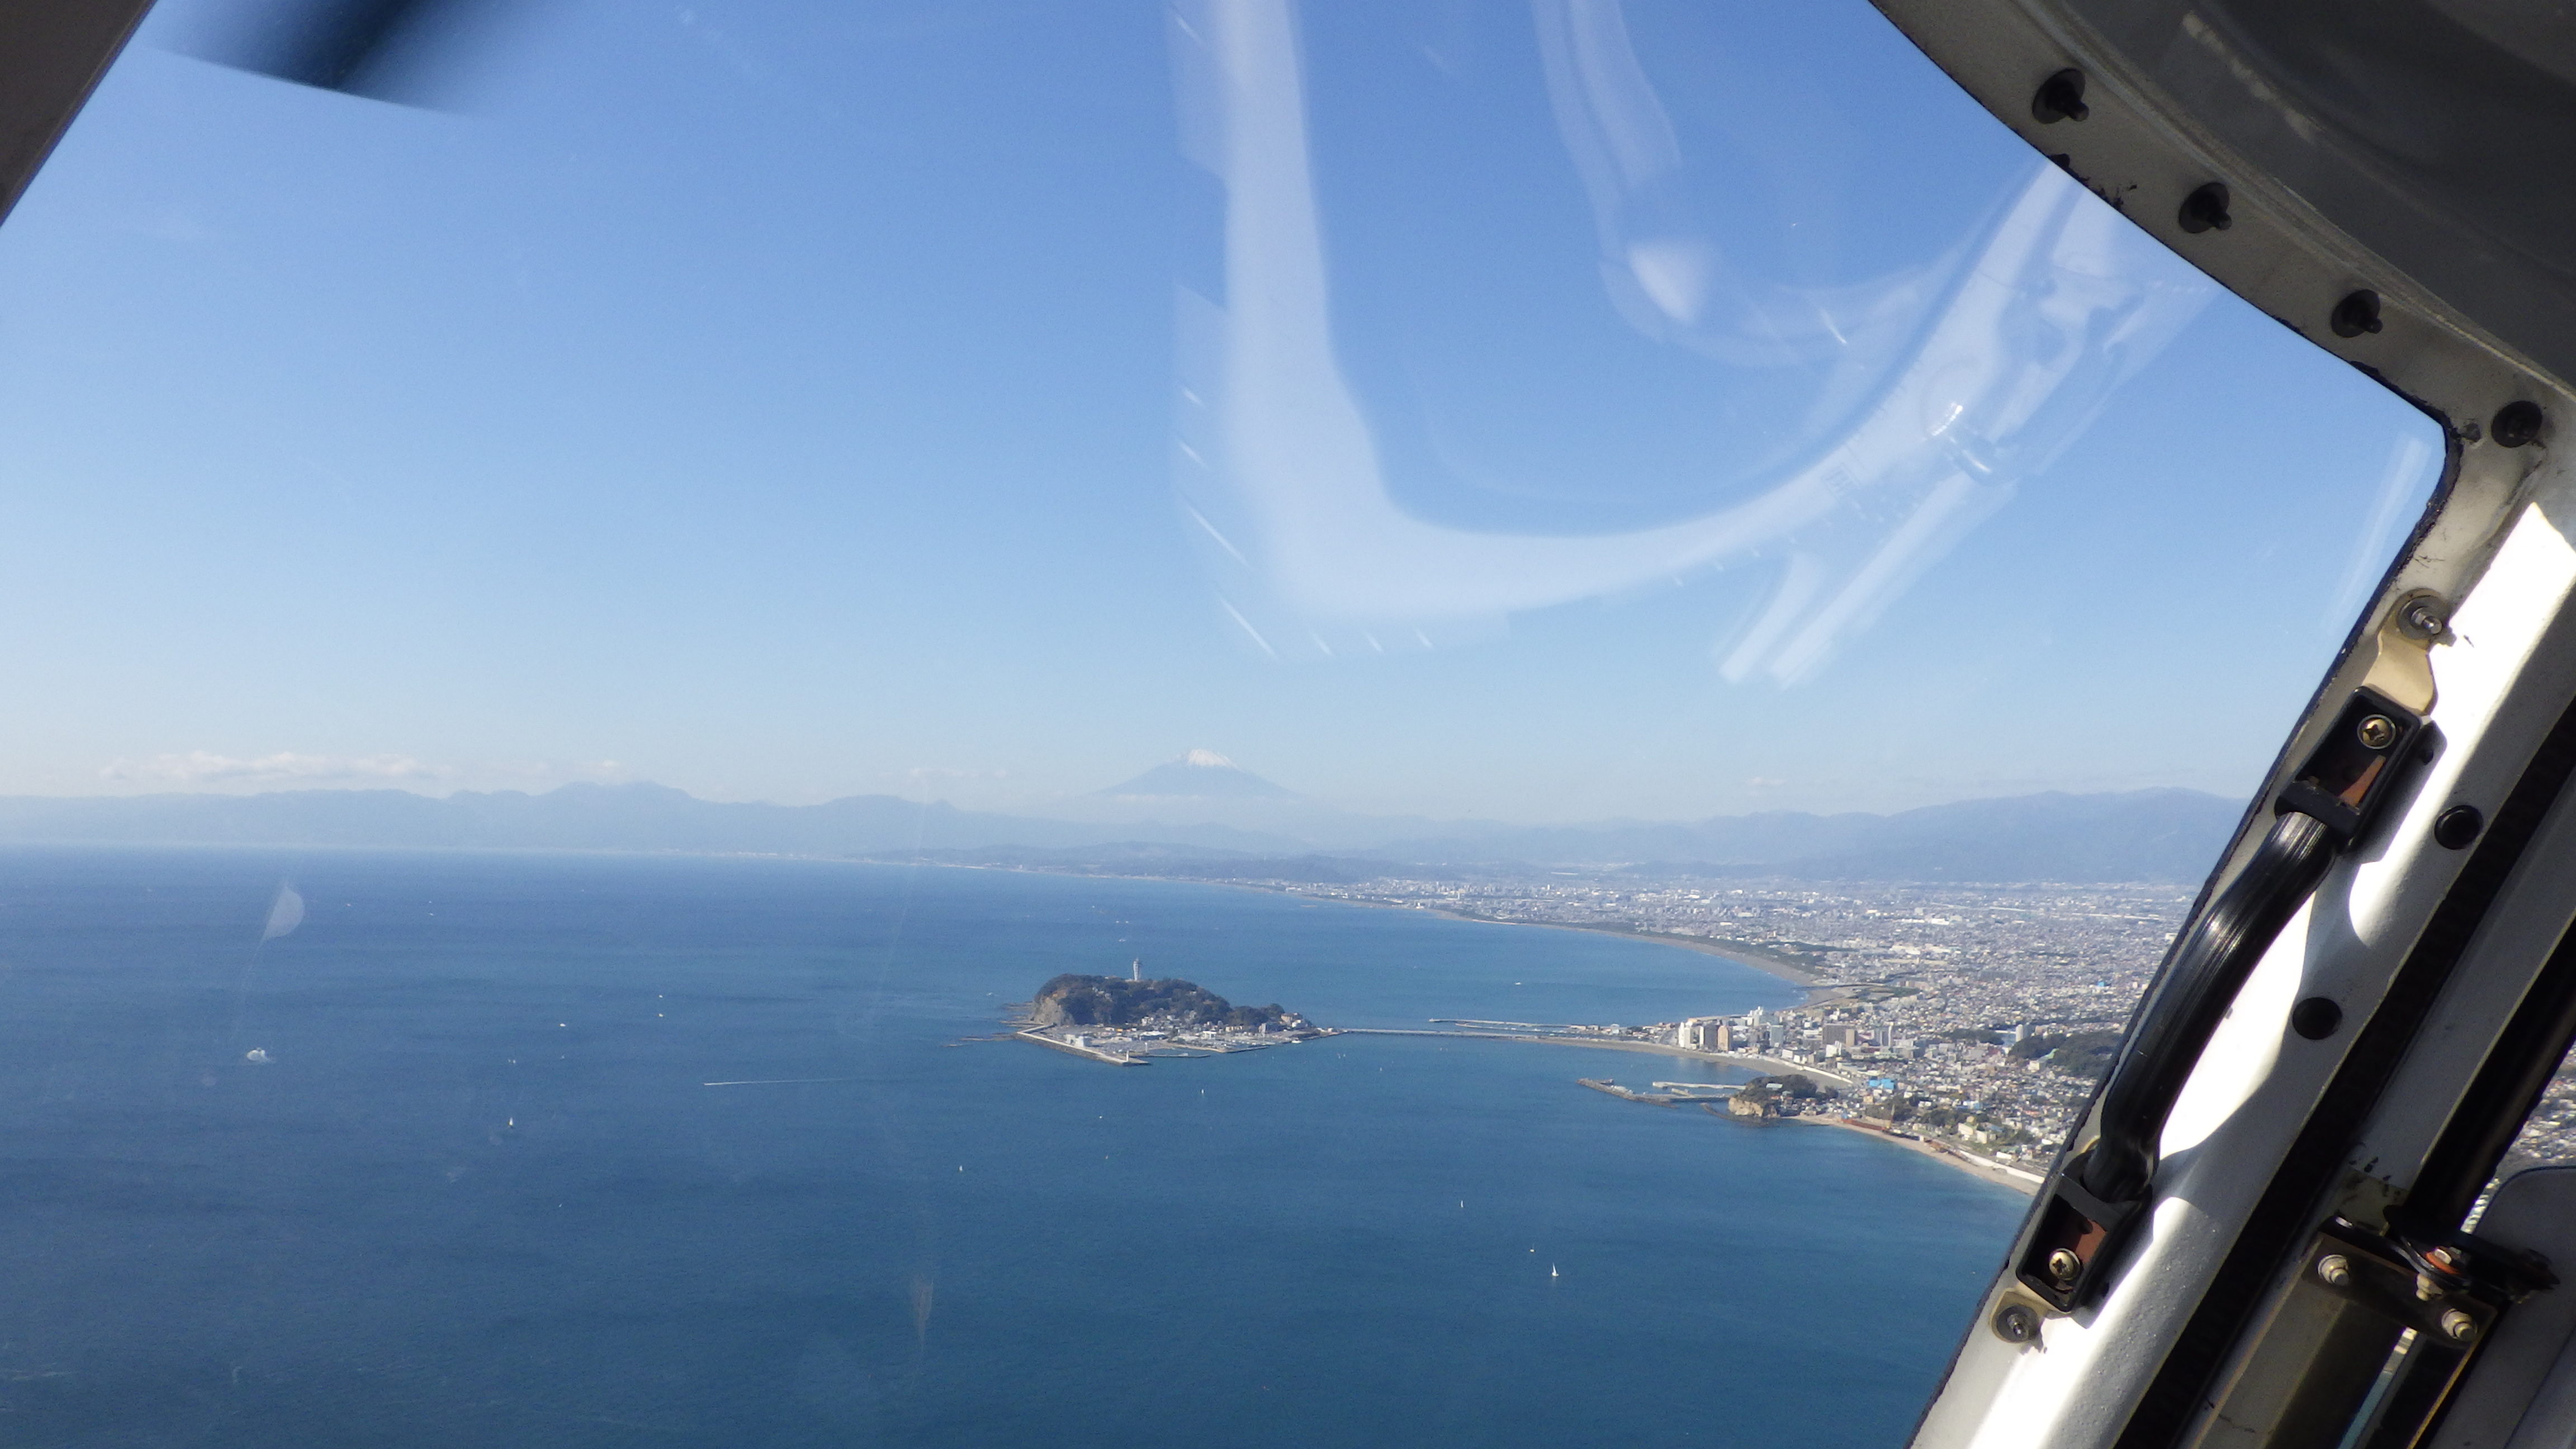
(1586, 1037)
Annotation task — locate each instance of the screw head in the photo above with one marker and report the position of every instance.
(2356, 314)
(2015, 1323)
(2064, 1267)
(2060, 98)
(2421, 617)
(2460, 1326)
(2376, 732)
(2206, 209)
(2316, 1018)
(2515, 424)
(2334, 1269)
(2456, 827)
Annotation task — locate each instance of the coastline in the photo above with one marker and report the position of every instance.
(2027, 1184)
(1769, 1065)
(1741, 953)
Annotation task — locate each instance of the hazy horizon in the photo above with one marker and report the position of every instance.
(999, 790)
(1092, 806)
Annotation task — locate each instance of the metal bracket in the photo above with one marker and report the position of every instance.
(2447, 1294)
(2069, 1258)
(2357, 764)
(2403, 668)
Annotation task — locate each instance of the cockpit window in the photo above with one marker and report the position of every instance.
(1257, 721)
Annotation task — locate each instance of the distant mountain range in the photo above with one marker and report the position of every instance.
(2140, 835)
(2135, 835)
(571, 817)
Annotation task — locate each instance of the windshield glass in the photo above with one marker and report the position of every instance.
(687, 671)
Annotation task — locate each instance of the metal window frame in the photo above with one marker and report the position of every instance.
(2432, 953)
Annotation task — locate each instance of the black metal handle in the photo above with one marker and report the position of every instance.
(2191, 997)
(2325, 806)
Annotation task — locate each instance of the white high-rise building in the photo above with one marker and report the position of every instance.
(1706, 1034)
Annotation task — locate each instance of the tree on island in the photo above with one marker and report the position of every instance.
(1074, 1000)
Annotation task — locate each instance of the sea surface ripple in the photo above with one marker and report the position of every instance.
(472, 1188)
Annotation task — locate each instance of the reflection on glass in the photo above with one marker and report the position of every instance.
(1909, 401)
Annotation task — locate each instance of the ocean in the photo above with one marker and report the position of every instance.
(474, 1189)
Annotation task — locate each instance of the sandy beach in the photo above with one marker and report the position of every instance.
(2025, 1183)
(1740, 952)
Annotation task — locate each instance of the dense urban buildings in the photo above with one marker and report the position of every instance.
(1980, 1013)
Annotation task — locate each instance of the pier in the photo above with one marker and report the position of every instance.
(1699, 1091)
(1604, 1084)
(1121, 1059)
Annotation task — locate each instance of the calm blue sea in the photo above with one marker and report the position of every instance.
(478, 1195)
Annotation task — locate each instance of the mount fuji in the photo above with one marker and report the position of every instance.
(1200, 775)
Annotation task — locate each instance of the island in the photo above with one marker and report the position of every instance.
(1130, 1020)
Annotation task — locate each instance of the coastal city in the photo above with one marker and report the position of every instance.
(1971, 1020)
(1974, 1015)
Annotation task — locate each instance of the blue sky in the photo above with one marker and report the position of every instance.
(783, 401)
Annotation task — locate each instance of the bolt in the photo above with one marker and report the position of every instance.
(2316, 1018)
(2206, 209)
(2334, 1270)
(2377, 732)
(2356, 314)
(2516, 423)
(2454, 828)
(2421, 618)
(2016, 1323)
(2460, 1326)
(2064, 1267)
(2060, 98)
